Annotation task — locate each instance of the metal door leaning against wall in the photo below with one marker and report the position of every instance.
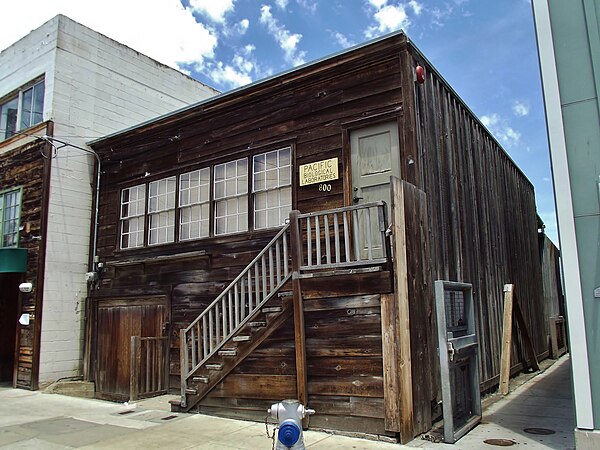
(375, 157)
(116, 320)
(459, 358)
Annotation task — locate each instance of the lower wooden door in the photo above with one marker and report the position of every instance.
(116, 321)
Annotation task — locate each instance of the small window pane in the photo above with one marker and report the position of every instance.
(10, 208)
(8, 118)
(231, 204)
(26, 108)
(272, 188)
(37, 114)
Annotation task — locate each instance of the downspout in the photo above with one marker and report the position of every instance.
(52, 140)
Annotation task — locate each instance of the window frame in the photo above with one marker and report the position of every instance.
(279, 188)
(241, 197)
(122, 218)
(189, 205)
(159, 212)
(18, 95)
(19, 207)
(245, 194)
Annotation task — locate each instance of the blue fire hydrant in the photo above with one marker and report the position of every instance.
(289, 413)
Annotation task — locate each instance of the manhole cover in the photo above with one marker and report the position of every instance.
(543, 431)
(126, 412)
(500, 442)
(169, 417)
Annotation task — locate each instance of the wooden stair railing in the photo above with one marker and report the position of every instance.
(232, 311)
(344, 238)
(347, 239)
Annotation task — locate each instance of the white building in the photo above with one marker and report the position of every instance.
(72, 84)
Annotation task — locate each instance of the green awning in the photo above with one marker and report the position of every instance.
(13, 260)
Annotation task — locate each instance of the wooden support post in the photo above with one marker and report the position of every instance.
(506, 339)
(134, 366)
(511, 306)
(299, 339)
(395, 328)
(183, 366)
(533, 362)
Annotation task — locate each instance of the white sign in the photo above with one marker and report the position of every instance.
(319, 172)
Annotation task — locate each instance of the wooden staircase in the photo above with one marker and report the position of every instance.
(246, 313)
(261, 325)
(260, 299)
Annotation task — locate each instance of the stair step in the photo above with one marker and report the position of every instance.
(191, 391)
(257, 324)
(241, 338)
(200, 379)
(214, 366)
(285, 294)
(272, 309)
(228, 352)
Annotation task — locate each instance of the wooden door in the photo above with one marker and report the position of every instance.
(116, 320)
(375, 157)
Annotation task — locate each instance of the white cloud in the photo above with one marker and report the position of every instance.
(214, 9)
(165, 30)
(281, 4)
(286, 40)
(500, 128)
(242, 26)
(227, 75)
(342, 39)
(520, 109)
(310, 5)
(387, 17)
(416, 6)
(378, 3)
(241, 70)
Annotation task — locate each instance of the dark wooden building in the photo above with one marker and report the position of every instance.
(24, 191)
(253, 222)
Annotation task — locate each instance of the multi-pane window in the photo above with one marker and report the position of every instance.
(32, 106)
(272, 180)
(209, 201)
(194, 204)
(8, 117)
(133, 208)
(10, 210)
(231, 197)
(22, 110)
(161, 211)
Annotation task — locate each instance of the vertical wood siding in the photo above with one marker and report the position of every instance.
(481, 224)
(25, 167)
(482, 216)
(312, 113)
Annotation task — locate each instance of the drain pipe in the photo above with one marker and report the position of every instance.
(94, 264)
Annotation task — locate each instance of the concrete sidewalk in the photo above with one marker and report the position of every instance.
(35, 420)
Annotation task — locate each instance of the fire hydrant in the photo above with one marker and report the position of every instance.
(290, 413)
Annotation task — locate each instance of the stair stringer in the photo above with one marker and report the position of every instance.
(244, 349)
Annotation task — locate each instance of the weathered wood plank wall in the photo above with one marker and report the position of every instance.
(312, 112)
(482, 215)
(480, 222)
(344, 361)
(25, 167)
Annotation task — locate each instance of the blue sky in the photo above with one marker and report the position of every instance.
(485, 49)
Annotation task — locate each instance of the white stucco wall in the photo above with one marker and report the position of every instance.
(94, 86)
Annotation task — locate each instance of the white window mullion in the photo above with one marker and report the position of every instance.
(271, 186)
